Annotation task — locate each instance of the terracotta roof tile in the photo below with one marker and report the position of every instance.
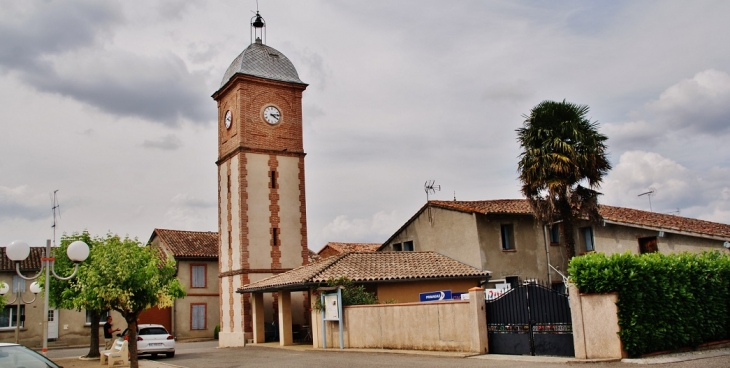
(312, 257)
(351, 247)
(369, 267)
(620, 215)
(32, 263)
(189, 244)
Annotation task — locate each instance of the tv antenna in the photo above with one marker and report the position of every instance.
(648, 194)
(56, 208)
(430, 188)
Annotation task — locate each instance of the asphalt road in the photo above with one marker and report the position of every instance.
(208, 355)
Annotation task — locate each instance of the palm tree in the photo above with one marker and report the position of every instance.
(562, 165)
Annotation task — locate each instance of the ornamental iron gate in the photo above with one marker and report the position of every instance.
(530, 319)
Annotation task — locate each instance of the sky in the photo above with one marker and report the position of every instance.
(108, 103)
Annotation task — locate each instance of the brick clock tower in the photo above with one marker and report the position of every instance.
(261, 204)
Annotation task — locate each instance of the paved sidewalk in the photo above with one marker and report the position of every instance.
(78, 363)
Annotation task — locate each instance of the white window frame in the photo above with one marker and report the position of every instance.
(11, 311)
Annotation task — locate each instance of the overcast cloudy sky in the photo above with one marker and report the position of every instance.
(108, 102)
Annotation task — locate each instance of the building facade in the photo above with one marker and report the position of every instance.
(196, 260)
(504, 237)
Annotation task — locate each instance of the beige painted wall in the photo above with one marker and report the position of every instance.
(408, 292)
(290, 212)
(259, 225)
(208, 295)
(595, 325)
(528, 259)
(436, 326)
(450, 233)
(612, 239)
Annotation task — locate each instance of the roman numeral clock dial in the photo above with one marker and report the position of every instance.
(272, 115)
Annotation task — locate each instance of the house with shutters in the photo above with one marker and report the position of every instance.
(504, 237)
(196, 260)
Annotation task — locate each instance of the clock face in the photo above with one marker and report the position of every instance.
(228, 119)
(272, 115)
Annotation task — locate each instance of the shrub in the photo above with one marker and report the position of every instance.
(664, 301)
(351, 294)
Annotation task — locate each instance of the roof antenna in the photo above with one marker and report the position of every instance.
(258, 27)
(55, 207)
(429, 187)
(648, 194)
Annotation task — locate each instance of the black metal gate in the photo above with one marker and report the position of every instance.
(531, 319)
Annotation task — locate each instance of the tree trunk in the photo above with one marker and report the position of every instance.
(132, 339)
(94, 340)
(567, 227)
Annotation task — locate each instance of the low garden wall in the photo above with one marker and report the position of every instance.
(436, 326)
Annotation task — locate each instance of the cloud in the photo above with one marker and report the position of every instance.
(48, 28)
(675, 186)
(698, 105)
(60, 49)
(169, 142)
(189, 213)
(21, 203)
(345, 229)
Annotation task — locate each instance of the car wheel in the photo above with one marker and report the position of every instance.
(170, 355)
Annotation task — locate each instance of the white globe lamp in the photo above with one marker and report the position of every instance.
(78, 251)
(35, 288)
(18, 250)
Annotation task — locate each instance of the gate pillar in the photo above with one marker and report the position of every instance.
(477, 310)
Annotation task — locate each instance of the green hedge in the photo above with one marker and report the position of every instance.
(664, 301)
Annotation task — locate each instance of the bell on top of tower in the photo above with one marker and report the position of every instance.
(258, 28)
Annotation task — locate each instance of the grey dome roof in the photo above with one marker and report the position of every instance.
(262, 61)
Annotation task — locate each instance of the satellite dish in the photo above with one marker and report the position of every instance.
(726, 244)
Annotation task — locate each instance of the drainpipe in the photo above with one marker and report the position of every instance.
(547, 252)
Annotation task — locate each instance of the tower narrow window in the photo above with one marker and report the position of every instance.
(508, 237)
(273, 179)
(274, 236)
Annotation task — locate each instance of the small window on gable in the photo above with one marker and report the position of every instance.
(397, 247)
(555, 234)
(508, 237)
(197, 276)
(408, 246)
(587, 237)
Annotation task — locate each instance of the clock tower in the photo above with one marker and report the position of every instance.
(261, 203)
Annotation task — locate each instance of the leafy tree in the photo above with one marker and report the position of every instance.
(562, 165)
(64, 267)
(125, 276)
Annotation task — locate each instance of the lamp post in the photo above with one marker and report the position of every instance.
(18, 251)
(35, 288)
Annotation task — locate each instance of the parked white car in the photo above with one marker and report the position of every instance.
(153, 340)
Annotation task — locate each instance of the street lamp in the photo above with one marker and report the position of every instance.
(18, 251)
(35, 288)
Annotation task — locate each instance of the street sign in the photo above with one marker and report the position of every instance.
(434, 296)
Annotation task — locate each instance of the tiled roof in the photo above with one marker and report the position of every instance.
(313, 257)
(351, 247)
(621, 215)
(189, 244)
(262, 61)
(369, 267)
(32, 263)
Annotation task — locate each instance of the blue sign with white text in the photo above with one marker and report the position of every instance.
(434, 296)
